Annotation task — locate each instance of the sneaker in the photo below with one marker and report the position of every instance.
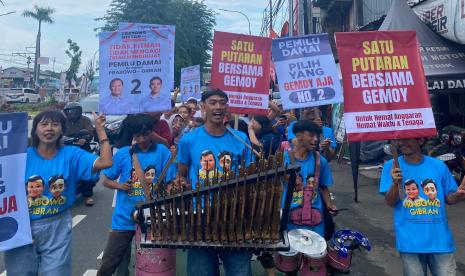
(89, 201)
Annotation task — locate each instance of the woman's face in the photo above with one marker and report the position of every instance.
(412, 191)
(48, 132)
(184, 113)
(35, 188)
(256, 126)
(178, 123)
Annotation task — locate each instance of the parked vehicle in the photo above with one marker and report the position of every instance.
(22, 95)
(113, 125)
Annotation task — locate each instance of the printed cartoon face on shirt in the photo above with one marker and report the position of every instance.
(149, 174)
(416, 203)
(56, 185)
(34, 187)
(225, 160)
(207, 161)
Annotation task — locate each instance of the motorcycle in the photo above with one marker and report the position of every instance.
(89, 145)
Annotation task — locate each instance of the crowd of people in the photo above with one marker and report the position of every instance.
(204, 136)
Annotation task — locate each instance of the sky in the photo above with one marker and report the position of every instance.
(76, 20)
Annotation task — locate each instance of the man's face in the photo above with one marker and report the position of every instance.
(225, 162)
(430, 190)
(143, 139)
(409, 146)
(215, 109)
(35, 188)
(307, 139)
(412, 191)
(155, 86)
(57, 187)
(207, 162)
(116, 88)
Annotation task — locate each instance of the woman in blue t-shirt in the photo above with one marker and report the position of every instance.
(59, 168)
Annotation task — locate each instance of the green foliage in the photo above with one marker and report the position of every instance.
(41, 14)
(193, 19)
(74, 53)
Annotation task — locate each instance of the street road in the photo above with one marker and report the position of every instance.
(371, 216)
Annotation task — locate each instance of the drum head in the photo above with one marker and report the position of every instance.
(292, 252)
(307, 242)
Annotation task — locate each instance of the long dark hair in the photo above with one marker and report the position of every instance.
(131, 125)
(52, 115)
(265, 124)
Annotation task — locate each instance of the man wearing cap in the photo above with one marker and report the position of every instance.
(423, 236)
(213, 137)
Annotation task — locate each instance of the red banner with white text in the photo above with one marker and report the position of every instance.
(241, 68)
(385, 94)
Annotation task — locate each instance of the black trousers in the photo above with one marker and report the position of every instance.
(86, 188)
(117, 245)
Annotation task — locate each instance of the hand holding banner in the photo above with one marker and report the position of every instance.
(384, 86)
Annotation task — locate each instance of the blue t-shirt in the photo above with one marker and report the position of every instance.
(325, 180)
(201, 151)
(420, 219)
(51, 184)
(327, 134)
(152, 163)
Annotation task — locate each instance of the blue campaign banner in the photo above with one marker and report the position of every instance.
(134, 72)
(126, 26)
(15, 229)
(306, 71)
(190, 83)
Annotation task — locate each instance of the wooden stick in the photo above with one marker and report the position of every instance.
(395, 164)
(243, 142)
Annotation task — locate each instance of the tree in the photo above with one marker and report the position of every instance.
(40, 14)
(193, 19)
(74, 53)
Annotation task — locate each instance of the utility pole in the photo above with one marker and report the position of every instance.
(291, 18)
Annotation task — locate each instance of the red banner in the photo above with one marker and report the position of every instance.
(385, 94)
(241, 68)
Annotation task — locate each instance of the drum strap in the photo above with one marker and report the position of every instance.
(307, 215)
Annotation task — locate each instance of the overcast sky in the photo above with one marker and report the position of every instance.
(75, 20)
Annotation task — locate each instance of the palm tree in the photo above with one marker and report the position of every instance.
(41, 14)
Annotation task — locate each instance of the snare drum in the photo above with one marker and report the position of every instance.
(288, 261)
(153, 261)
(313, 247)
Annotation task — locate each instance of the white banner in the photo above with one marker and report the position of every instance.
(246, 100)
(125, 26)
(190, 83)
(445, 17)
(134, 72)
(15, 229)
(387, 120)
(306, 71)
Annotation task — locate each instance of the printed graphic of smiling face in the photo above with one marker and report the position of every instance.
(35, 186)
(57, 186)
(149, 174)
(225, 160)
(429, 188)
(207, 161)
(411, 189)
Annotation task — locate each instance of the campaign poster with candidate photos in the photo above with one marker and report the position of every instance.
(15, 229)
(190, 83)
(306, 71)
(126, 26)
(134, 72)
(384, 86)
